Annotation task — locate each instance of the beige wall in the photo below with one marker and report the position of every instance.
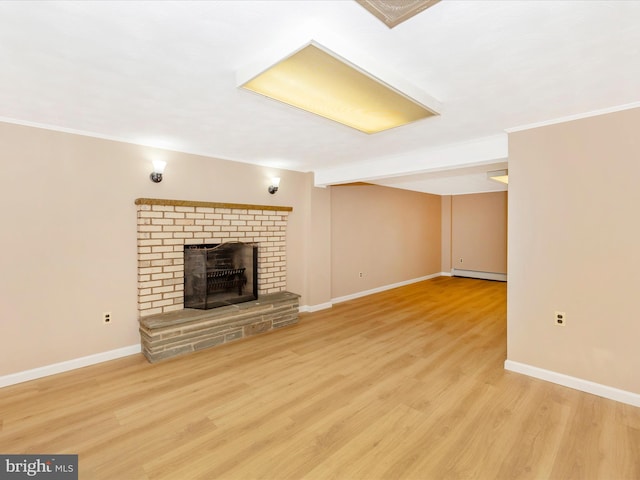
(68, 237)
(574, 233)
(479, 232)
(316, 247)
(445, 258)
(389, 235)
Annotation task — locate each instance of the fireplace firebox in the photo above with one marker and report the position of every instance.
(216, 275)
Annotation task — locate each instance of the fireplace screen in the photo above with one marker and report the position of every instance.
(218, 275)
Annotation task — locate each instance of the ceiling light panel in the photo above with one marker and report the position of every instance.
(394, 12)
(501, 176)
(319, 82)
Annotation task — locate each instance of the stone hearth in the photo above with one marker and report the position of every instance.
(178, 333)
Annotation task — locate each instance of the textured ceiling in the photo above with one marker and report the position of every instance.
(164, 74)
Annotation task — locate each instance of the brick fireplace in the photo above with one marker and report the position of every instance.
(164, 228)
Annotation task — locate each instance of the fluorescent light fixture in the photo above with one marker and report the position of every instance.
(394, 13)
(501, 176)
(320, 82)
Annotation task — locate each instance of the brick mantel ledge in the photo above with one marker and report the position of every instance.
(192, 203)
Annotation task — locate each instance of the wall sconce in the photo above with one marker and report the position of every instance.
(275, 184)
(158, 170)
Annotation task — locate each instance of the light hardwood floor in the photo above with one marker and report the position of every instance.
(408, 383)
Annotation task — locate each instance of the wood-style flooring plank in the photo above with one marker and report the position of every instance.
(404, 384)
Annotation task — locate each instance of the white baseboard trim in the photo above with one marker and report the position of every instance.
(315, 308)
(47, 370)
(382, 289)
(501, 277)
(587, 386)
(323, 306)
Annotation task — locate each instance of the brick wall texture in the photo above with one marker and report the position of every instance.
(164, 230)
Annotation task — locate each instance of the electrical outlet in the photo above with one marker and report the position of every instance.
(360, 274)
(106, 318)
(560, 319)
(461, 260)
